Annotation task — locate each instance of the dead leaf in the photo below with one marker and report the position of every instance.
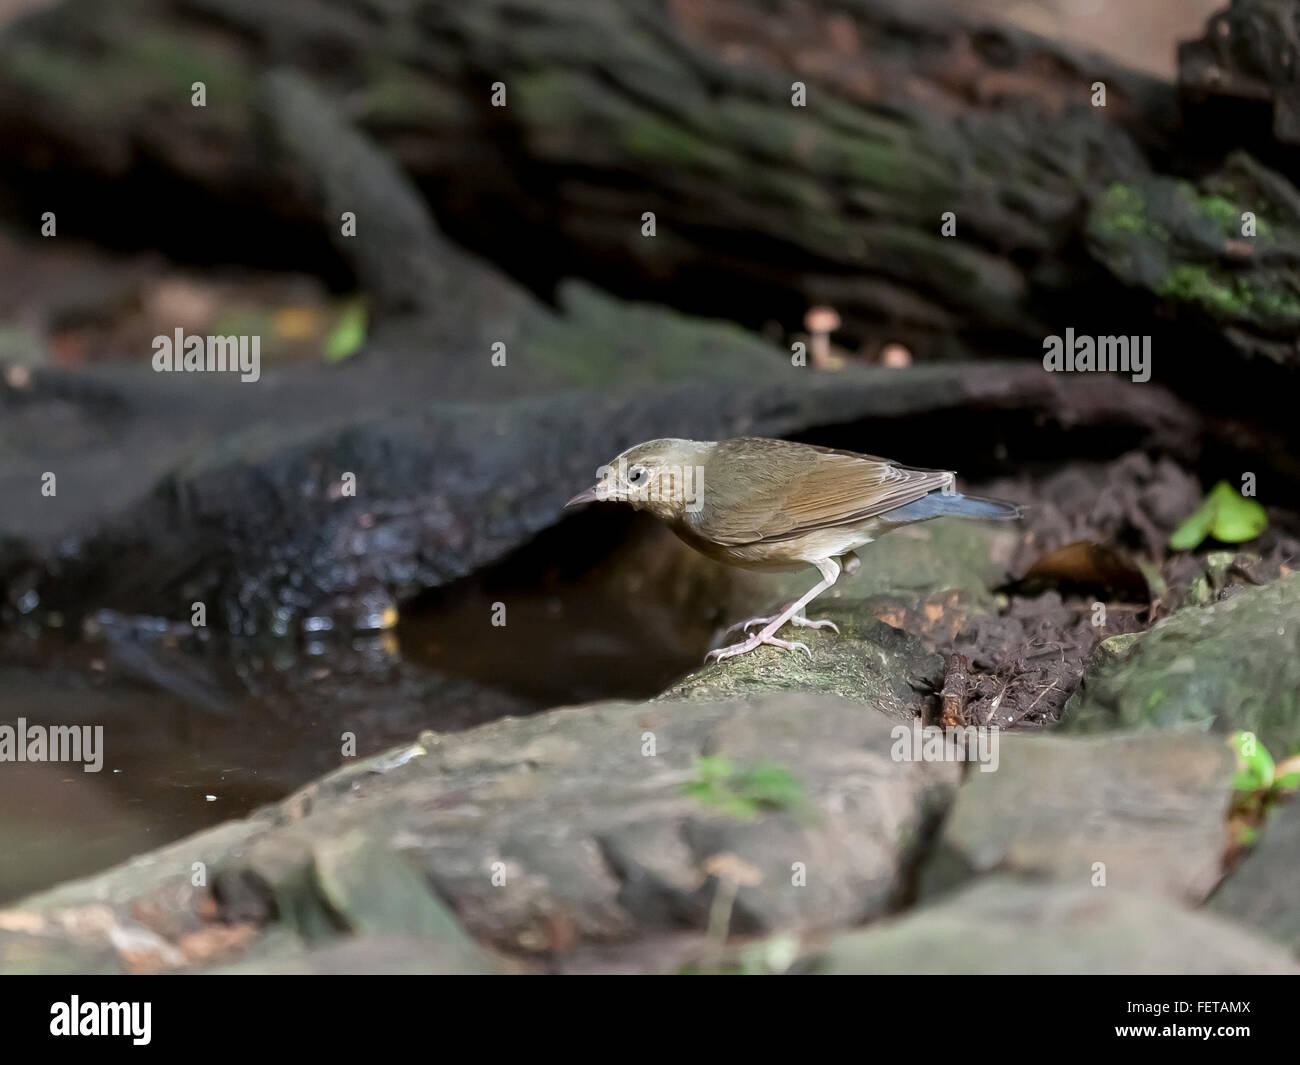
(1092, 565)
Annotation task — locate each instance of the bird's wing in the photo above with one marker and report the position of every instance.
(758, 493)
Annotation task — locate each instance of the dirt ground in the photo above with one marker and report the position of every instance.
(1092, 562)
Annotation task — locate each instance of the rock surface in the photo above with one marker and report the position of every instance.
(1150, 809)
(1232, 665)
(868, 661)
(1003, 926)
(542, 834)
(1264, 891)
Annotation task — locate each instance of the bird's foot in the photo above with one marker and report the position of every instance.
(745, 626)
(754, 642)
(801, 622)
(798, 621)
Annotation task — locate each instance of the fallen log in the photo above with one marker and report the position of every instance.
(765, 200)
(344, 490)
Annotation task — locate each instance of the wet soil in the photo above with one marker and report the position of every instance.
(1092, 562)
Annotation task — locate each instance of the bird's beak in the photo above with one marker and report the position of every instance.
(589, 496)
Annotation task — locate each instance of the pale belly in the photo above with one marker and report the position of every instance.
(785, 555)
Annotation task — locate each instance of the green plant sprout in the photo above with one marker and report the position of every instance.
(1226, 515)
(348, 335)
(1259, 785)
(744, 794)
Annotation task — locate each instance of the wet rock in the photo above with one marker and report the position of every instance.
(868, 661)
(1002, 925)
(597, 836)
(354, 884)
(33, 946)
(1149, 808)
(1232, 665)
(596, 824)
(365, 955)
(1263, 891)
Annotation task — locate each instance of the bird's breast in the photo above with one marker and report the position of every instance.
(794, 553)
(748, 556)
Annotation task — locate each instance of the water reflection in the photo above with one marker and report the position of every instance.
(198, 730)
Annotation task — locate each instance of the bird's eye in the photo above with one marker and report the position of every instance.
(637, 475)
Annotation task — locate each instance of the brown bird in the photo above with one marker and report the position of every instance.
(775, 505)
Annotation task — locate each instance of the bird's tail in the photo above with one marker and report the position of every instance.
(954, 504)
(983, 507)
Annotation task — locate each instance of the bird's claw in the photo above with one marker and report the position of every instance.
(798, 622)
(820, 623)
(753, 643)
(745, 626)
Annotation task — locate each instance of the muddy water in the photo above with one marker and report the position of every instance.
(198, 732)
(168, 769)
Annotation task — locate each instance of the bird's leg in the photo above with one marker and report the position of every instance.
(830, 571)
(799, 621)
(849, 563)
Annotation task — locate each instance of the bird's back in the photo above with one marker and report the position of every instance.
(757, 490)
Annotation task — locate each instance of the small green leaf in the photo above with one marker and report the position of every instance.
(1287, 782)
(1254, 770)
(1246, 780)
(348, 334)
(714, 768)
(1226, 515)
(768, 784)
(1237, 518)
(764, 786)
(1286, 774)
(1195, 529)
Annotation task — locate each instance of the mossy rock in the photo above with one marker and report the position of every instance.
(868, 661)
(1232, 665)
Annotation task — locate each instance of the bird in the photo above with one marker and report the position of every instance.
(766, 504)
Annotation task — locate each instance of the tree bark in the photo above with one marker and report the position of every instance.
(614, 110)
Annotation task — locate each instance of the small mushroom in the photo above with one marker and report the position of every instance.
(895, 355)
(732, 873)
(821, 322)
(18, 377)
(728, 866)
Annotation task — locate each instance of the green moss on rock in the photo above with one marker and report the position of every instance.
(1232, 665)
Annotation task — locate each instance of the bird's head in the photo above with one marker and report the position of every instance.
(665, 477)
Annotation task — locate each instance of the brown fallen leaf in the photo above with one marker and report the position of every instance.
(1092, 565)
